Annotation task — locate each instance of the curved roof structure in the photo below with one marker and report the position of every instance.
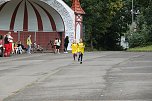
(36, 15)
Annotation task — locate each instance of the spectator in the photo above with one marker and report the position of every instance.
(1, 46)
(20, 44)
(20, 49)
(39, 48)
(66, 42)
(15, 48)
(34, 46)
(58, 43)
(29, 43)
(10, 39)
(55, 43)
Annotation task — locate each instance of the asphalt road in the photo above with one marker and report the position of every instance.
(103, 76)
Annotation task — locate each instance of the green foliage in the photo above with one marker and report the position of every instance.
(68, 2)
(96, 21)
(137, 39)
(143, 19)
(101, 32)
(106, 21)
(141, 49)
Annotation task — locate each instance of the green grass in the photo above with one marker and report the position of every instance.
(141, 49)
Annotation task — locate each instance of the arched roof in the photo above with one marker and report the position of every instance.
(36, 15)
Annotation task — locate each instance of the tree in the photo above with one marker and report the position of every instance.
(107, 20)
(96, 20)
(143, 18)
(147, 12)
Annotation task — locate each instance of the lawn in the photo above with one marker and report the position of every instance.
(141, 49)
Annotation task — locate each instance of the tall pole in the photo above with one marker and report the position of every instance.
(19, 35)
(132, 11)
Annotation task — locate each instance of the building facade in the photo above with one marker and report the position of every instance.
(45, 20)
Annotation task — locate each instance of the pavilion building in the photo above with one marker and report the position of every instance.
(44, 20)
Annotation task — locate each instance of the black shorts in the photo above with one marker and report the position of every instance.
(57, 47)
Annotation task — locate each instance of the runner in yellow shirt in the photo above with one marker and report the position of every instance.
(74, 47)
(81, 47)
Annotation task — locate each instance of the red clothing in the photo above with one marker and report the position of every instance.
(1, 42)
(7, 46)
(7, 50)
(10, 47)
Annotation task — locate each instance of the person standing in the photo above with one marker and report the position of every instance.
(29, 43)
(10, 39)
(1, 46)
(81, 47)
(74, 47)
(6, 46)
(55, 42)
(58, 43)
(66, 42)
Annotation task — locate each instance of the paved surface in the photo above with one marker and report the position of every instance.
(103, 76)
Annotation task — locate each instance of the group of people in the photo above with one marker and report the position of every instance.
(78, 48)
(36, 47)
(10, 47)
(18, 48)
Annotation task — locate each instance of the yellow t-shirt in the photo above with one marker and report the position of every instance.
(74, 47)
(81, 47)
(28, 41)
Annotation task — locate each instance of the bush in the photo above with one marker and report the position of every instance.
(137, 39)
